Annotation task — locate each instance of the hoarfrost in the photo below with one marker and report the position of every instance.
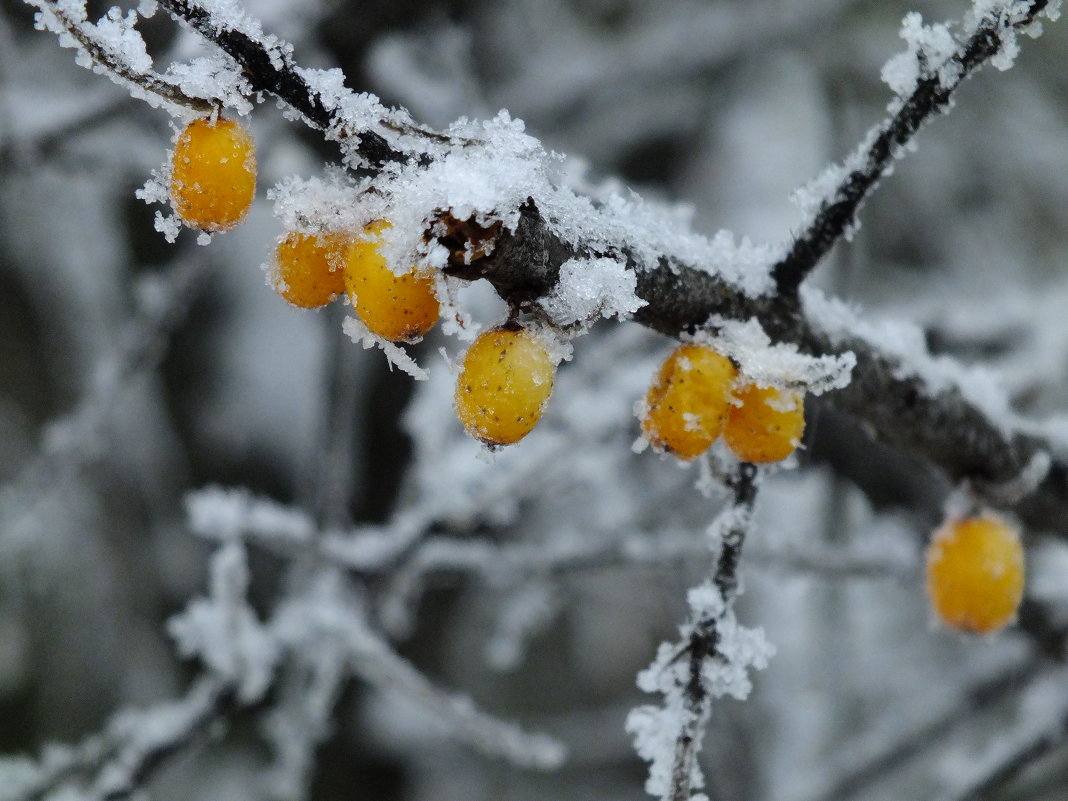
(524, 613)
(228, 514)
(779, 365)
(929, 46)
(223, 629)
(738, 649)
(905, 343)
(591, 288)
(213, 77)
(397, 356)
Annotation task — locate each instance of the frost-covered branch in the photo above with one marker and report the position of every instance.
(909, 732)
(925, 79)
(925, 406)
(269, 67)
(1040, 724)
(115, 49)
(683, 284)
(711, 660)
(113, 764)
(317, 639)
(998, 775)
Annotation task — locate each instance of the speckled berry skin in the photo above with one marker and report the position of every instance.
(687, 405)
(764, 424)
(504, 384)
(309, 269)
(400, 308)
(213, 174)
(975, 573)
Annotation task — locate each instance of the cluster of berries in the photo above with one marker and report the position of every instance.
(975, 565)
(507, 373)
(698, 395)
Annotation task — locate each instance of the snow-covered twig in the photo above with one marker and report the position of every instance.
(886, 745)
(1001, 773)
(401, 572)
(112, 764)
(111, 56)
(936, 76)
(711, 660)
(330, 612)
(269, 67)
(1040, 725)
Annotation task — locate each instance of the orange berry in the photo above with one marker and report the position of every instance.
(687, 405)
(213, 174)
(396, 307)
(505, 382)
(765, 424)
(975, 573)
(310, 268)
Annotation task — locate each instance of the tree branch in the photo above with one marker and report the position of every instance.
(837, 214)
(118, 760)
(943, 427)
(704, 637)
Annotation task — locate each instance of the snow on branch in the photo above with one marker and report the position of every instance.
(712, 659)
(403, 559)
(331, 612)
(115, 762)
(327, 618)
(317, 638)
(924, 79)
(371, 136)
(484, 200)
(1040, 725)
(114, 47)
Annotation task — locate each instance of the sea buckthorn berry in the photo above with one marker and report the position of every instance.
(505, 382)
(397, 307)
(687, 405)
(975, 573)
(213, 174)
(764, 424)
(310, 268)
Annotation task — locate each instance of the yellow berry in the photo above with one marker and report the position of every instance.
(505, 382)
(213, 174)
(396, 307)
(687, 405)
(765, 424)
(310, 268)
(975, 573)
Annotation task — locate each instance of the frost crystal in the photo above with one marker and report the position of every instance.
(592, 288)
(780, 365)
(397, 356)
(929, 47)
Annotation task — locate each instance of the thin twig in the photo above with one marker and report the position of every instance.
(134, 742)
(115, 65)
(704, 637)
(932, 95)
